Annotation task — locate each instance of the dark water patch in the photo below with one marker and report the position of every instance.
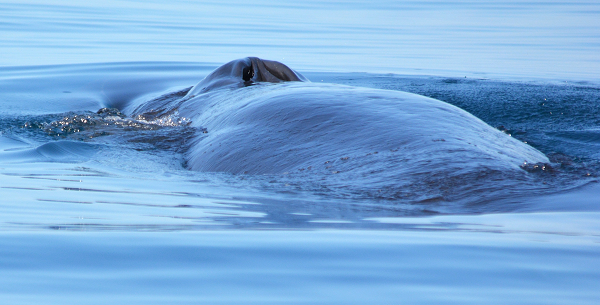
(591, 137)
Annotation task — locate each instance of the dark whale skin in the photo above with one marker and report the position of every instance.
(246, 71)
(256, 116)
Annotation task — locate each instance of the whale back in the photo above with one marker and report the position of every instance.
(272, 129)
(368, 142)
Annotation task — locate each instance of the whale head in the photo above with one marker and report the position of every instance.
(245, 72)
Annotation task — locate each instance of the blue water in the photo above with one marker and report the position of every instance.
(528, 39)
(103, 197)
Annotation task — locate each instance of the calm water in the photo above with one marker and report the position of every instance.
(100, 207)
(528, 39)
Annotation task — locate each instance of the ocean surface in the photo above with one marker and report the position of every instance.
(101, 203)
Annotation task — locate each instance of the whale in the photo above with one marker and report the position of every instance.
(260, 117)
(244, 72)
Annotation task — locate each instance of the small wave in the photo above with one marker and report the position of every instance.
(66, 150)
(55, 151)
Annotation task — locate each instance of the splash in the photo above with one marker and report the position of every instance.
(105, 121)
